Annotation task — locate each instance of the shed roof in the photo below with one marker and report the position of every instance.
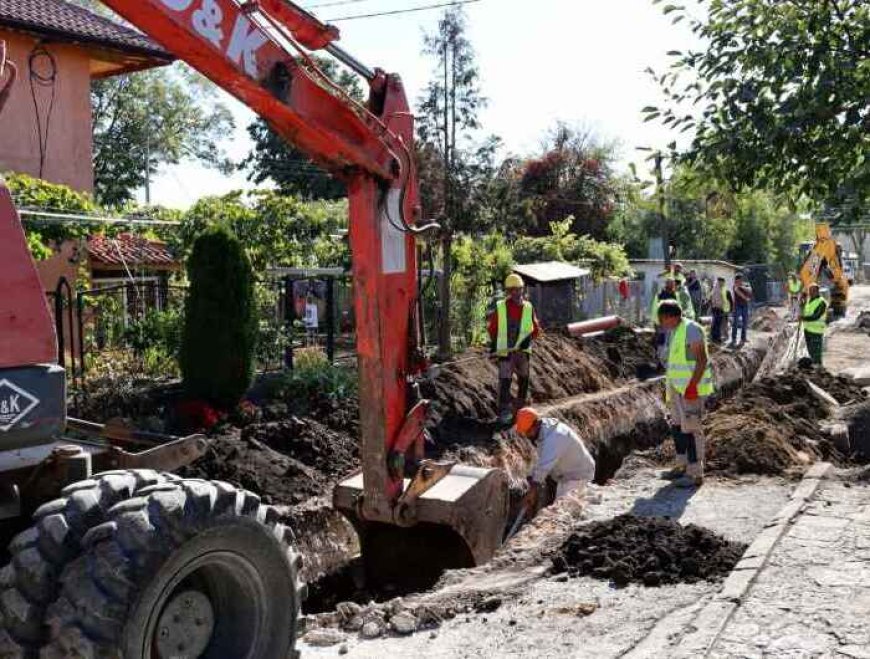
(128, 250)
(65, 22)
(551, 271)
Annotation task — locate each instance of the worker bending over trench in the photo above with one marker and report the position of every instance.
(689, 382)
(563, 462)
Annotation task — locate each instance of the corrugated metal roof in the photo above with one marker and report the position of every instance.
(130, 250)
(551, 271)
(69, 22)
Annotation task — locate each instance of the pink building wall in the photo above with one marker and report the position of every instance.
(68, 156)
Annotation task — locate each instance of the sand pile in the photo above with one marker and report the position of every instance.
(651, 551)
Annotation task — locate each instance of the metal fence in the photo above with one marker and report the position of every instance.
(605, 299)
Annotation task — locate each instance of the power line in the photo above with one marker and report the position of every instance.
(335, 4)
(457, 3)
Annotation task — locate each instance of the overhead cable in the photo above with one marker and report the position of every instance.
(394, 12)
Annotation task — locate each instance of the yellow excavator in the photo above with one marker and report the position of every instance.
(826, 256)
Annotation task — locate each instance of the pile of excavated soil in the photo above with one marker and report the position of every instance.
(465, 391)
(646, 550)
(286, 462)
(772, 425)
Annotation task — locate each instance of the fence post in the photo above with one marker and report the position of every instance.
(330, 319)
(58, 321)
(289, 319)
(80, 310)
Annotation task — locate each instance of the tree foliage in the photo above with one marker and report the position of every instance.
(275, 229)
(572, 177)
(220, 325)
(144, 120)
(777, 95)
(274, 159)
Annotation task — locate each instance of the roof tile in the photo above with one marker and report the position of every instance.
(60, 18)
(130, 250)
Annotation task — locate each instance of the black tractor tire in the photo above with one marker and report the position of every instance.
(31, 580)
(191, 568)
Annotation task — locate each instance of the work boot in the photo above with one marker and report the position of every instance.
(689, 482)
(678, 471)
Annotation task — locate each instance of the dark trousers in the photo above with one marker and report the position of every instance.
(718, 321)
(815, 343)
(741, 319)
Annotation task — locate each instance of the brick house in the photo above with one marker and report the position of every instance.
(58, 49)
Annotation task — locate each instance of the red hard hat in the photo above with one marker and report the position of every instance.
(526, 420)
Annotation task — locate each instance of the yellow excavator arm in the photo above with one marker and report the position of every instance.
(826, 255)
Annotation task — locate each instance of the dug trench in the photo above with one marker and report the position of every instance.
(294, 461)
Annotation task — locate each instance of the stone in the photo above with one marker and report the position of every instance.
(404, 623)
(343, 649)
(371, 630)
(348, 610)
(323, 637)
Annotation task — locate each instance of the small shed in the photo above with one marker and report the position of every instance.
(554, 289)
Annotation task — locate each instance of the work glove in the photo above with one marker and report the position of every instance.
(691, 391)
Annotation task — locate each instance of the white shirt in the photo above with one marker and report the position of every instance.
(562, 455)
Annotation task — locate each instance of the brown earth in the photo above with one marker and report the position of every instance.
(648, 550)
(771, 426)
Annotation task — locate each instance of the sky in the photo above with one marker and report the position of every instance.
(578, 61)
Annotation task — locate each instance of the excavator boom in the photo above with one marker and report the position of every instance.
(826, 256)
(257, 51)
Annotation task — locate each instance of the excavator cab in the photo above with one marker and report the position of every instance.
(825, 257)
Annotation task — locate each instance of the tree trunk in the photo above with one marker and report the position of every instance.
(445, 347)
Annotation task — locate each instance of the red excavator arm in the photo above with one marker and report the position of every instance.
(256, 51)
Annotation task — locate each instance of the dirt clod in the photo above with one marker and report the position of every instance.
(649, 551)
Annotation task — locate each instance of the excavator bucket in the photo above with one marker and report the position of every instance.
(457, 522)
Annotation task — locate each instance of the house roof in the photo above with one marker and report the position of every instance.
(128, 250)
(551, 271)
(65, 22)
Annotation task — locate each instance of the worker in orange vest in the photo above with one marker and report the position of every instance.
(513, 325)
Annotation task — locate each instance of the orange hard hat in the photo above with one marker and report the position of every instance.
(526, 420)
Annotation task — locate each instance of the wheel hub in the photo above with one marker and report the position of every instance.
(185, 626)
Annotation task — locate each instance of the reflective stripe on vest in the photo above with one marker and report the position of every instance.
(726, 304)
(815, 326)
(527, 327)
(680, 369)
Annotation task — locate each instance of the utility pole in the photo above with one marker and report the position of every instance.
(663, 216)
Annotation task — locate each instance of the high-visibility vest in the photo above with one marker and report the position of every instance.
(527, 327)
(680, 369)
(815, 326)
(726, 303)
(794, 286)
(686, 305)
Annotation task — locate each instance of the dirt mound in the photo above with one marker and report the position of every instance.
(286, 462)
(772, 425)
(465, 391)
(651, 551)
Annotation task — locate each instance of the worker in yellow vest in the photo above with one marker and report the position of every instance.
(513, 325)
(794, 288)
(689, 382)
(815, 321)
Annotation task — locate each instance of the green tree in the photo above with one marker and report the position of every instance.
(605, 259)
(573, 176)
(220, 326)
(274, 159)
(777, 95)
(144, 120)
(453, 165)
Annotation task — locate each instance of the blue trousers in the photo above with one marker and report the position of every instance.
(741, 319)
